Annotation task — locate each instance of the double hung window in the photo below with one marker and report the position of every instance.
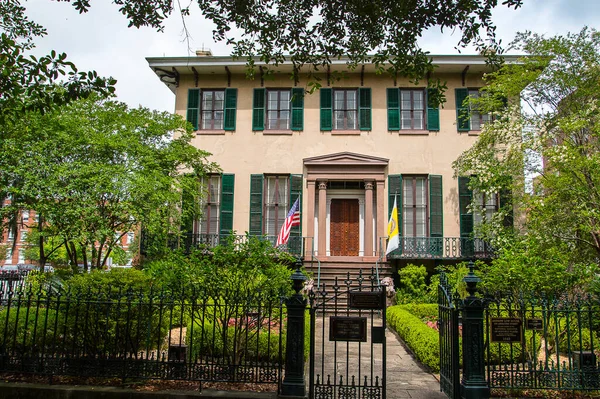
(209, 222)
(278, 109)
(276, 203)
(414, 206)
(212, 110)
(412, 109)
(345, 109)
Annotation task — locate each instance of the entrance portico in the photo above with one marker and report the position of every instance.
(345, 204)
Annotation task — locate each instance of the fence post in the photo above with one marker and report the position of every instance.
(473, 384)
(293, 384)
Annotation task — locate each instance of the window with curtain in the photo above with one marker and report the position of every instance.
(278, 109)
(345, 109)
(276, 203)
(412, 109)
(209, 222)
(414, 206)
(212, 109)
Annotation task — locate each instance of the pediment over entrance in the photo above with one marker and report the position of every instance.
(346, 158)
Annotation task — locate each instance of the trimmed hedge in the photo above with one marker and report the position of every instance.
(427, 311)
(423, 341)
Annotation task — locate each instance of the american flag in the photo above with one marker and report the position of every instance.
(292, 219)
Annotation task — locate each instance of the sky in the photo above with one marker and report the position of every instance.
(100, 40)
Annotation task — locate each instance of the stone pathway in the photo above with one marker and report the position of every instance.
(405, 378)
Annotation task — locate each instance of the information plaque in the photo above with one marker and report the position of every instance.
(534, 324)
(353, 329)
(366, 300)
(506, 329)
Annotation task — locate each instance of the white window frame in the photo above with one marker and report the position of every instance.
(276, 203)
(211, 205)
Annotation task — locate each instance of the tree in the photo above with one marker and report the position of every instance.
(95, 170)
(545, 148)
(318, 31)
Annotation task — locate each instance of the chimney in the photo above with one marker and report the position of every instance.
(203, 53)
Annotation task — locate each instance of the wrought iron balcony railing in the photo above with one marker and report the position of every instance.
(440, 248)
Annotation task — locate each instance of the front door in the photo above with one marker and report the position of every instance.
(344, 228)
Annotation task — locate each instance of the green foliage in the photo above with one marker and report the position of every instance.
(25, 328)
(423, 341)
(547, 153)
(97, 170)
(412, 287)
(424, 311)
(336, 28)
(111, 282)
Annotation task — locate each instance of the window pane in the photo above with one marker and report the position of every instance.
(418, 121)
(418, 99)
(351, 100)
(339, 100)
(405, 97)
(285, 120)
(475, 123)
(406, 120)
(351, 120)
(408, 222)
(339, 119)
(284, 95)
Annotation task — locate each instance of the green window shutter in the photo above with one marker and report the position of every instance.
(433, 112)
(296, 184)
(436, 206)
(256, 205)
(465, 197)
(258, 109)
(463, 121)
(393, 108)
(226, 212)
(230, 109)
(193, 107)
(297, 122)
(506, 204)
(326, 109)
(364, 108)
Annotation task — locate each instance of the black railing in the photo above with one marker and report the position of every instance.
(189, 242)
(542, 343)
(441, 248)
(142, 335)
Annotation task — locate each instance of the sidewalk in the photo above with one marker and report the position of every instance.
(405, 378)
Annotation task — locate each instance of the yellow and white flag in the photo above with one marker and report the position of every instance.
(393, 235)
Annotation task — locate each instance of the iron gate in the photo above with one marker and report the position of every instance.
(449, 344)
(347, 339)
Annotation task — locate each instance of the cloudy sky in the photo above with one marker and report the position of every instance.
(101, 41)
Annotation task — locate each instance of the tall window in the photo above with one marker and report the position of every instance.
(11, 234)
(477, 119)
(414, 206)
(276, 203)
(21, 256)
(488, 204)
(212, 109)
(345, 109)
(209, 223)
(23, 235)
(278, 109)
(25, 216)
(412, 109)
(8, 256)
(130, 237)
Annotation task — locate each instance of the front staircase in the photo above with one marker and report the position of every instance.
(347, 269)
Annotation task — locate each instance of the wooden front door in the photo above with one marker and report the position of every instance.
(344, 228)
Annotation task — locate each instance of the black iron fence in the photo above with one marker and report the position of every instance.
(142, 334)
(542, 343)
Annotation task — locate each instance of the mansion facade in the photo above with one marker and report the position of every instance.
(348, 150)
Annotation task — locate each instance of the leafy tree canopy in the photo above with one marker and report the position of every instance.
(95, 170)
(545, 147)
(314, 32)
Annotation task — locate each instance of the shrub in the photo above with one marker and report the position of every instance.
(412, 287)
(424, 311)
(423, 341)
(25, 330)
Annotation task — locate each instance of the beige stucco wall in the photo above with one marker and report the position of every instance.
(245, 152)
